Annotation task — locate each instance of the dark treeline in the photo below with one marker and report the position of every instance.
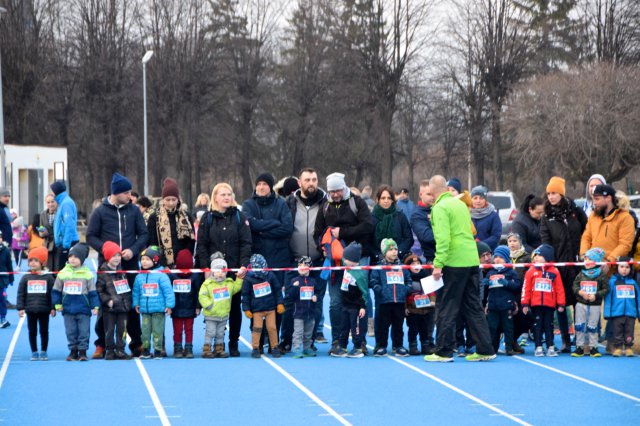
(388, 91)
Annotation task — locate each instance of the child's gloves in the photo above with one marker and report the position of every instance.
(280, 309)
(248, 314)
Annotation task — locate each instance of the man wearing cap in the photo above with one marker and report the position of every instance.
(349, 218)
(65, 224)
(456, 262)
(5, 216)
(117, 220)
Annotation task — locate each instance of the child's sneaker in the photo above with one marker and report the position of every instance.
(380, 352)
(275, 352)
(121, 355)
(73, 355)
(617, 352)
(595, 353)
(629, 352)
(298, 354)
(309, 352)
(157, 355)
(539, 351)
(578, 353)
(355, 353)
(551, 351)
(339, 352)
(475, 357)
(255, 353)
(437, 358)
(44, 356)
(401, 351)
(4, 323)
(35, 356)
(320, 338)
(145, 354)
(461, 351)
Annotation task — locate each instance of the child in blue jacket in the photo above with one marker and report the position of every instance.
(502, 284)
(153, 298)
(621, 307)
(302, 294)
(391, 288)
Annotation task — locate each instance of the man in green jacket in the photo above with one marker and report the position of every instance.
(456, 262)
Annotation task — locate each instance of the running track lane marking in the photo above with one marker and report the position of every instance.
(455, 389)
(587, 381)
(303, 388)
(12, 346)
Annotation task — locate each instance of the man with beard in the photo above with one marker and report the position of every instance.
(305, 203)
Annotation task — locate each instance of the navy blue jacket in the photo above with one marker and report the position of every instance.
(271, 227)
(5, 224)
(528, 229)
(186, 303)
(506, 297)
(123, 225)
(5, 264)
(269, 301)
(615, 306)
(421, 225)
(302, 309)
(401, 227)
(489, 229)
(386, 292)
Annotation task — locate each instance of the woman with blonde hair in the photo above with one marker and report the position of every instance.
(223, 228)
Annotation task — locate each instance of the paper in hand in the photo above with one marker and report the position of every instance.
(429, 285)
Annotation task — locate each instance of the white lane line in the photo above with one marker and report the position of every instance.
(581, 379)
(303, 388)
(12, 347)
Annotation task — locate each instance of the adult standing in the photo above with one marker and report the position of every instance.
(202, 204)
(527, 222)
(456, 262)
(116, 219)
(561, 227)
(65, 224)
(404, 203)
(5, 216)
(223, 228)
(44, 228)
(593, 181)
(485, 218)
(421, 222)
(170, 227)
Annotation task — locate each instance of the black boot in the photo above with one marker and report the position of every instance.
(82, 355)
(177, 350)
(73, 355)
(566, 344)
(413, 348)
(233, 349)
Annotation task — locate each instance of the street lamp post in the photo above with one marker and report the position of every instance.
(145, 59)
(3, 166)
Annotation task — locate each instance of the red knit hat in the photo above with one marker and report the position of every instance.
(184, 259)
(170, 188)
(40, 253)
(109, 249)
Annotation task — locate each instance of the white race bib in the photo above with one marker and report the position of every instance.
(150, 290)
(262, 289)
(306, 293)
(73, 288)
(220, 294)
(543, 285)
(122, 286)
(589, 287)
(395, 277)
(347, 280)
(36, 287)
(625, 292)
(182, 286)
(494, 281)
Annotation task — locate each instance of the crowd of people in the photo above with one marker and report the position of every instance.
(294, 226)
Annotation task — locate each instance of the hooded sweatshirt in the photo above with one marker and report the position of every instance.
(588, 204)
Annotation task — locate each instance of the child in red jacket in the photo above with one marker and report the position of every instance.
(543, 292)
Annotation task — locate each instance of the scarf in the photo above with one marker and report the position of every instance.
(385, 228)
(483, 212)
(184, 230)
(557, 212)
(591, 273)
(514, 255)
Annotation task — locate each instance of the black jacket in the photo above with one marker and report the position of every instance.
(107, 291)
(186, 303)
(228, 233)
(5, 264)
(402, 228)
(34, 303)
(529, 230)
(5, 224)
(563, 234)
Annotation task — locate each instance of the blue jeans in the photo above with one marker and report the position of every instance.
(77, 327)
(3, 303)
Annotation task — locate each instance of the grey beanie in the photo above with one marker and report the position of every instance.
(335, 182)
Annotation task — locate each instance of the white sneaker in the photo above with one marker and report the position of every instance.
(551, 351)
(539, 351)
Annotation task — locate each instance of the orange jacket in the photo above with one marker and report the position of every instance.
(614, 234)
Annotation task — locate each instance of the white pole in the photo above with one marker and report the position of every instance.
(145, 59)
(3, 166)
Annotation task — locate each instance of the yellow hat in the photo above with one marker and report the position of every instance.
(556, 184)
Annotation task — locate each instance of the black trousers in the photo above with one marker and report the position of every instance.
(357, 326)
(422, 325)
(501, 322)
(461, 295)
(622, 329)
(235, 321)
(543, 323)
(463, 336)
(35, 321)
(391, 315)
(115, 323)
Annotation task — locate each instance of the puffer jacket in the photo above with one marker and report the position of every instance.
(261, 292)
(65, 223)
(301, 291)
(228, 233)
(152, 292)
(215, 296)
(390, 286)
(543, 287)
(75, 290)
(622, 299)
(614, 234)
(602, 287)
(502, 298)
(114, 287)
(186, 288)
(34, 293)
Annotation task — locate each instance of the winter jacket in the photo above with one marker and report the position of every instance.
(176, 244)
(124, 225)
(563, 234)
(114, 287)
(390, 286)
(271, 227)
(417, 294)
(451, 222)
(5, 224)
(355, 289)
(489, 229)
(228, 233)
(215, 296)
(353, 226)
(622, 299)
(153, 292)
(503, 287)
(614, 234)
(402, 228)
(304, 222)
(20, 240)
(65, 223)
(599, 284)
(44, 222)
(261, 292)
(301, 290)
(543, 287)
(186, 288)
(34, 293)
(5, 265)
(406, 207)
(528, 229)
(523, 258)
(421, 226)
(75, 290)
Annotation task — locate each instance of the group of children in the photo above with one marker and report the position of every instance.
(398, 295)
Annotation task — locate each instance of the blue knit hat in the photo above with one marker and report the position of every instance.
(546, 251)
(352, 252)
(503, 252)
(58, 187)
(455, 183)
(595, 254)
(120, 184)
(257, 261)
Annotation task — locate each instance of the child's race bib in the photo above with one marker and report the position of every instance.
(422, 301)
(182, 286)
(262, 289)
(589, 287)
(36, 287)
(395, 277)
(150, 290)
(347, 280)
(306, 293)
(73, 288)
(220, 294)
(625, 292)
(542, 284)
(494, 281)
(122, 286)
